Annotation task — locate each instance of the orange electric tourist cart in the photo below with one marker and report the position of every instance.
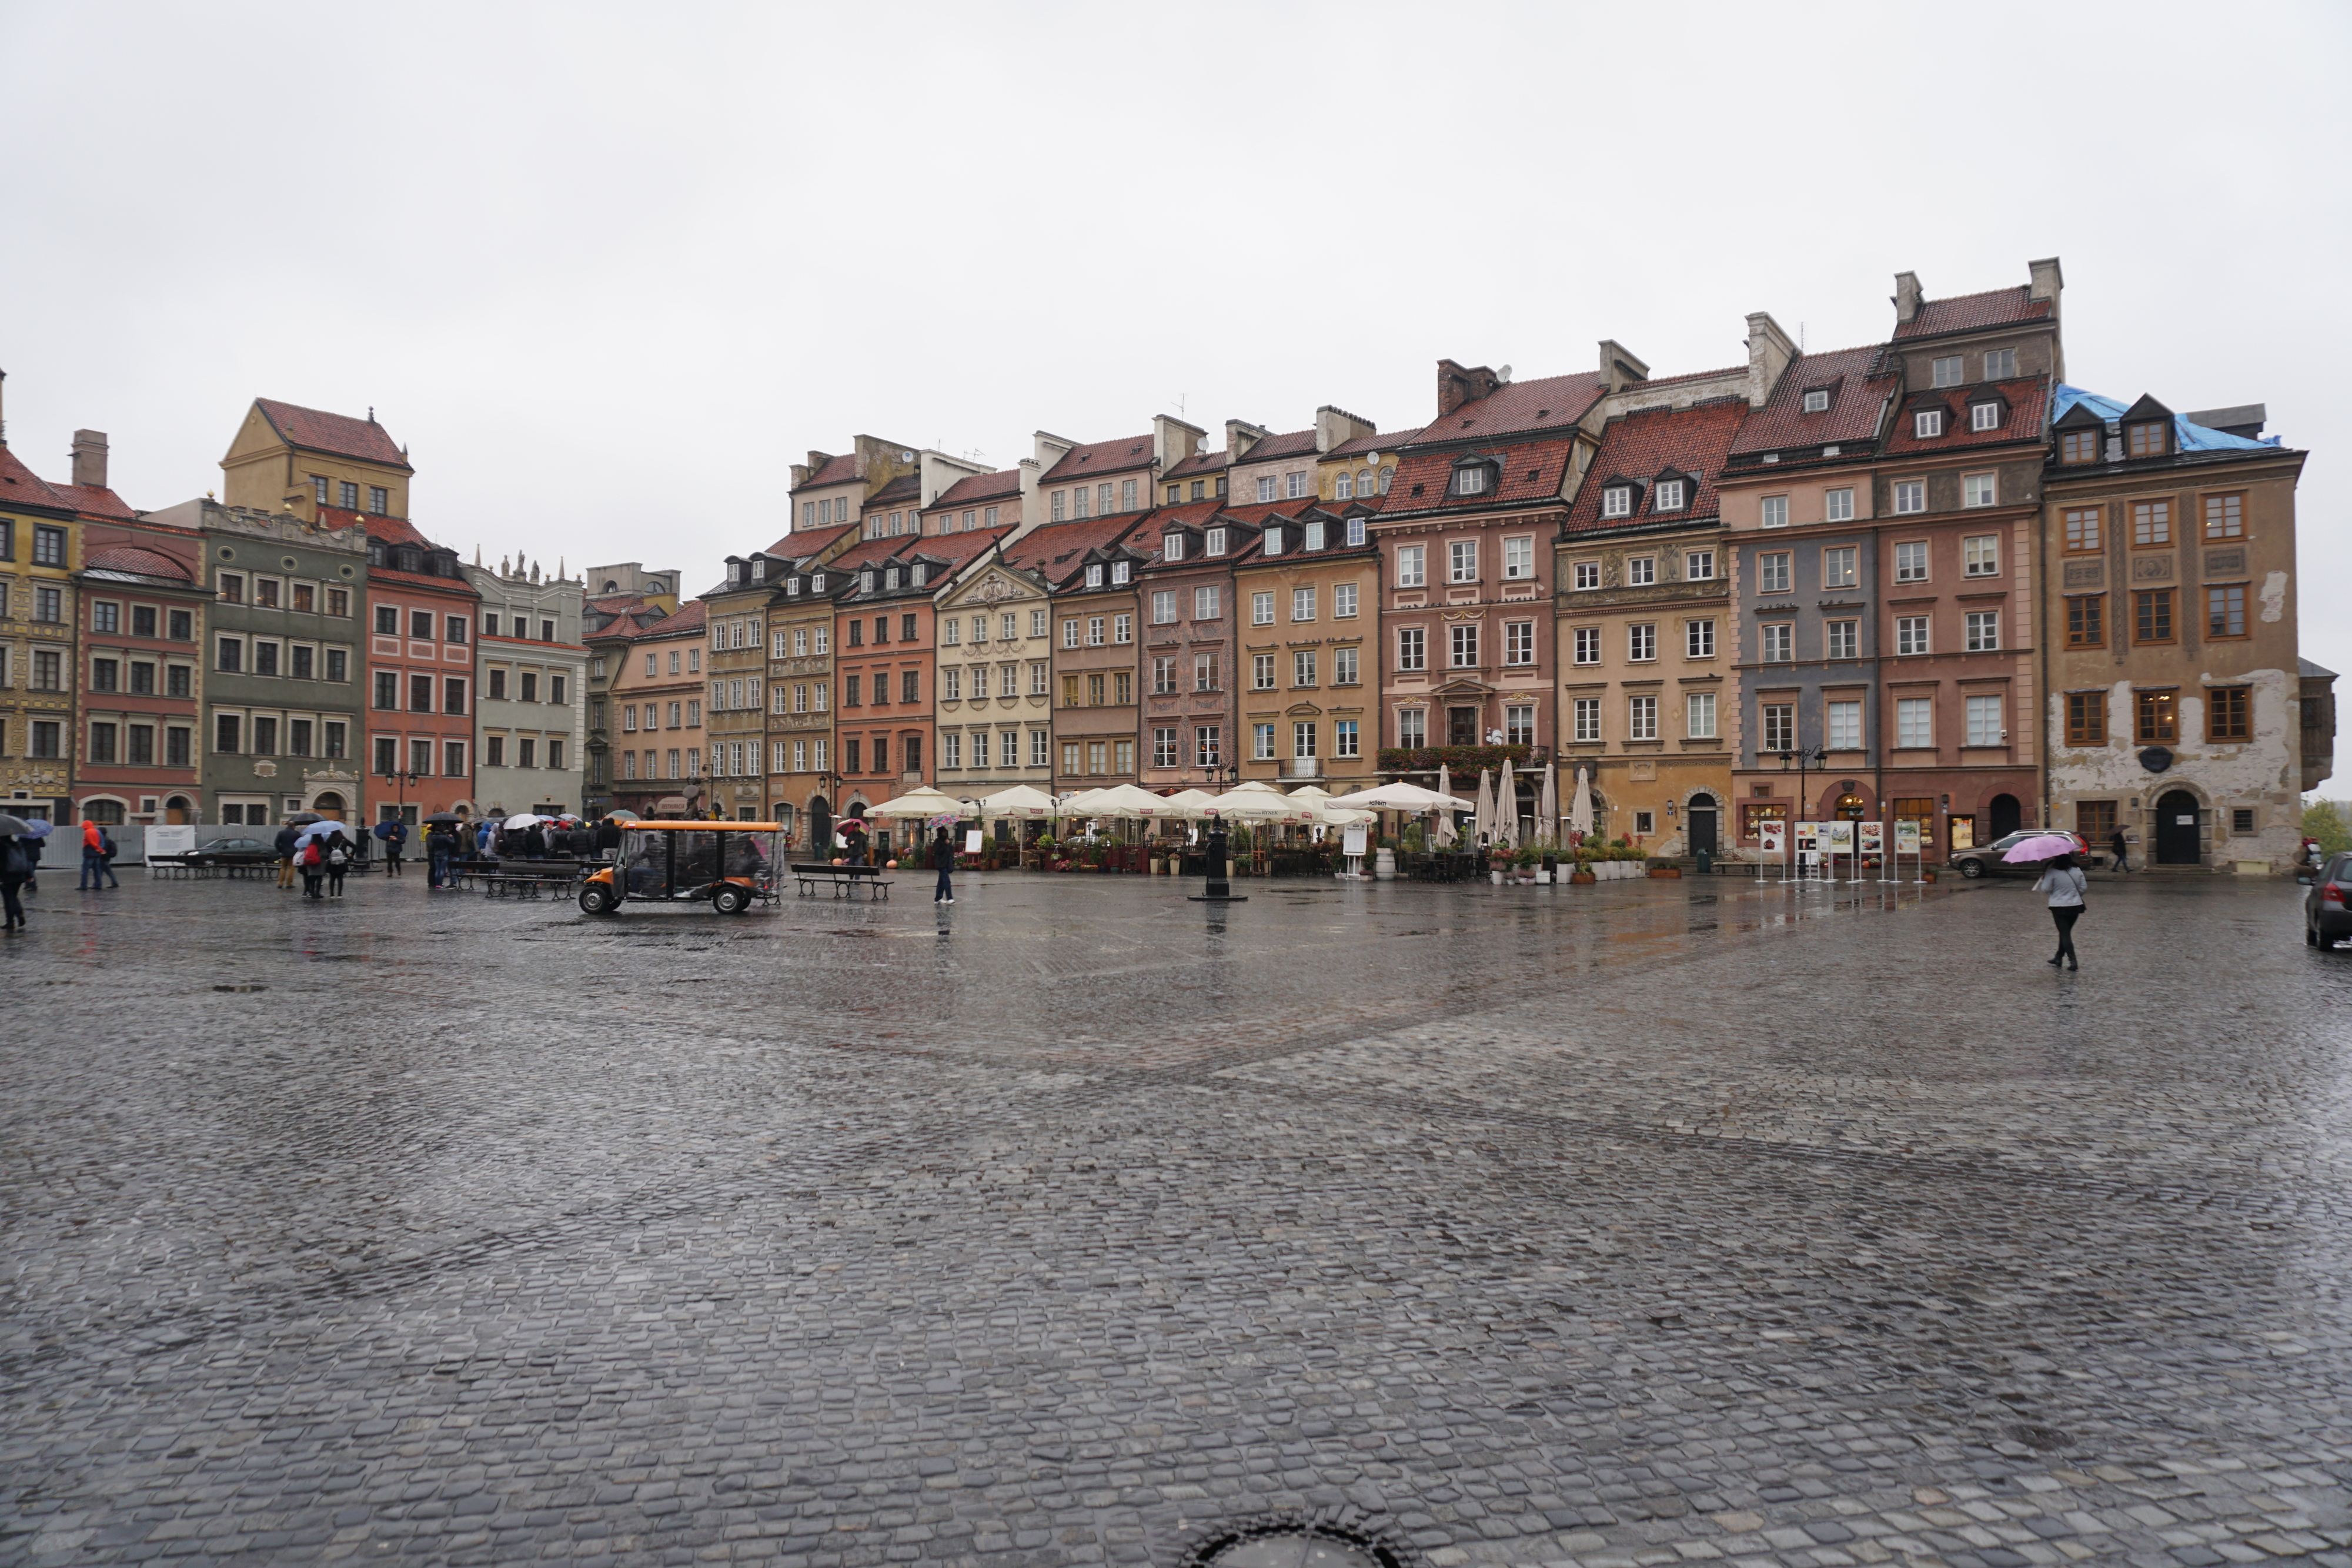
(731, 865)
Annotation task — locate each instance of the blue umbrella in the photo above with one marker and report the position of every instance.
(320, 830)
(39, 828)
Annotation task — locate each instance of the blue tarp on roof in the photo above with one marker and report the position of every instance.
(2186, 437)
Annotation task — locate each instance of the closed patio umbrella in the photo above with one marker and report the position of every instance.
(1441, 834)
(1481, 823)
(1579, 811)
(1507, 808)
(1547, 808)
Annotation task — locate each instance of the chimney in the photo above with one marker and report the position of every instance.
(1457, 385)
(1620, 366)
(1172, 440)
(1337, 427)
(1906, 298)
(1769, 353)
(1048, 449)
(2048, 282)
(90, 458)
(1240, 437)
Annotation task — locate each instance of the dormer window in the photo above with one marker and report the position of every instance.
(1984, 416)
(920, 571)
(1094, 575)
(1314, 536)
(1118, 571)
(1817, 401)
(1272, 541)
(791, 587)
(2146, 440)
(816, 582)
(866, 581)
(1617, 501)
(1471, 479)
(1171, 546)
(1216, 544)
(1928, 423)
(1355, 530)
(760, 570)
(1668, 497)
(2079, 446)
(890, 577)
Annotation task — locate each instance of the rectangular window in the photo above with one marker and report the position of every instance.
(102, 742)
(1844, 725)
(1588, 644)
(2151, 523)
(142, 746)
(1266, 487)
(420, 625)
(48, 546)
(48, 604)
(494, 751)
(1261, 608)
(142, 679)
(1927, 424)
(1617, 501)
(910, 686)
(1126, 504)
(1587, 719)
(1780, 643)
(1999, 364)
(2230, 713)
(2146, 440)
(1915, 722)
(2155, 718)
(1642, 718)
(1164, 747)
(1984, 722)
(1343, 601)
(1910, 635)
(1412, 648)
(1302, 604)
(1413, 566)
(1208, 602)
(1698, 715)
(180, 680)
(1302, 737)
(1641, 571)
(952, 684)
(1772, 572)
(2079, 446)
(1519, 557)
(420, 693)
(1698, 638)
(1984, 630)
(183, 624)
(1984, 416)
(1839, 568)
(1780, 727)
(1070, 633)
(2086, 625)
(1698, 566)
(1462, 561)
(1465, 647)
(48, 672)
(1261, 743)
(105, 675)
(106, 616)
(1774, 513)
(1302, 667)
(2225, 517)
(1412, 728)
(1642, 641)
(304, 662)
(1844, 639)
(1519, 642)
(1163, 606)
(228, 737)
(1343, 666)
(1979, 490)
(1838, 505)
(1208, 742)
(232, 655)
(1346, 739)
(1204, 672)
(1587, 575)
(1911, 495)
(1947, 370)
(2152, 615)
(264, 658)
(1980, 556)
(2225, 610)
(1262, 672)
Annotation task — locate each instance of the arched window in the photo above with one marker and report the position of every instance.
(1366, 483)
(1388, 477)
(1344, 488)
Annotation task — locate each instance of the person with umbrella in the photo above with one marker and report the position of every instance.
(439, 843)
(853, 839)
(394, 832)
(338, 860)
(16, 863)
(2063, 880)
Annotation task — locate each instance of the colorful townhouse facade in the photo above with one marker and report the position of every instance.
(143, 606)
(421, 612)
(657, 725)
(620, 600)
(530, 685)
(40, 551)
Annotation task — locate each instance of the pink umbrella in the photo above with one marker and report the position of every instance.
(2042, 847)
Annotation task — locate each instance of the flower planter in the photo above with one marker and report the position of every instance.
(1665, 873)
(1581, 879)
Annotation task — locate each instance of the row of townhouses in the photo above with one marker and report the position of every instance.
(297, 645)
(1926, 578)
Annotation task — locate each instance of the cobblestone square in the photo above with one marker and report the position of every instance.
(1654, 1222)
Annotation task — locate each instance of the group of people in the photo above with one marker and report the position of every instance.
(320, 859)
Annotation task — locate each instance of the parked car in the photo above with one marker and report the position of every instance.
(1984, 860)
(2327, 919)
(224, 851)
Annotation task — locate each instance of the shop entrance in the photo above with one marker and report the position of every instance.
(820, 839)
(2176, 840)
(1702, 825)
(2006, 815)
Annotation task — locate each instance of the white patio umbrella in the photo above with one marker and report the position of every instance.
(1131, 801)
(1547, 808)
(1185, 805)
(1254, 801)
(924, 801)
(1083, 803)
(1021, 800)
(1482, 824)
(1401, 797)
(1441, 834)
(1507, 808)
(1579, 810)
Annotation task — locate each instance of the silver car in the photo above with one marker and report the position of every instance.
(1984, 860)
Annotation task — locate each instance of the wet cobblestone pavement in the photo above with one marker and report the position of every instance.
(1645, 1223)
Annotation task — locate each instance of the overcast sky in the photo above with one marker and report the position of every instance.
(608, 270)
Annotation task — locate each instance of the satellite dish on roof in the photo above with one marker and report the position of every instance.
(1373, 458)
(1504, 374)
(906, 457)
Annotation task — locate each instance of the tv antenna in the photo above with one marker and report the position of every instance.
(1181, 413)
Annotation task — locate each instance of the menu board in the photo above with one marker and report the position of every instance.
(1874, 837)
(1839, 838)
(1907, 836)
(1774, 837)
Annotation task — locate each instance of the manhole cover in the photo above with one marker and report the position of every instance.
(1280, 1542)
(1290, 1550)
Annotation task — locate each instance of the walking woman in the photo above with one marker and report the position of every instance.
(943, 856)
(2063, 881)
(16, 871)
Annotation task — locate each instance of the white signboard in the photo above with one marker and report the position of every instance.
(169, 841)
(1352, 841)
(1840, 837)
(1773, 835)
(972, 841)
(1907, 836)
(1873, 838)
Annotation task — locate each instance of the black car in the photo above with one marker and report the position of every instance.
(2327, 918)
(224, 851)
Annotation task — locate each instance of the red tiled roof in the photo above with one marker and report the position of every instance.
(19, 486)
(1376, 442)
(687, 619)
(335, 433)
(1545, 404)
(905, 488)
(1857, 391)
(1290, 444)
(1102, 457)
(389, 530)
(799, 546)
(1197, 514)
(455, 586)
(144, 562)
(1995, 308)
(836, 471)
(1532, 470)
(2029, 404)
(955, 549)
(1054, 548)
(1208, 460)
(976, 487)
(1649, 442)
(96, 500)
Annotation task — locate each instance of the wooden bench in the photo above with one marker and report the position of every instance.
(842, 879)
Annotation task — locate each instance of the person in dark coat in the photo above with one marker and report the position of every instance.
(438, 845)
(943, 857)
(310, 860)
(286, 835)
(2123, 859)
(340, 855)
(853, 840)
(608, 839)
(395, 842)
(15, 870)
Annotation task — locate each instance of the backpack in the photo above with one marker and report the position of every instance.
(338, 857)
(310, 855)
(106, 843)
